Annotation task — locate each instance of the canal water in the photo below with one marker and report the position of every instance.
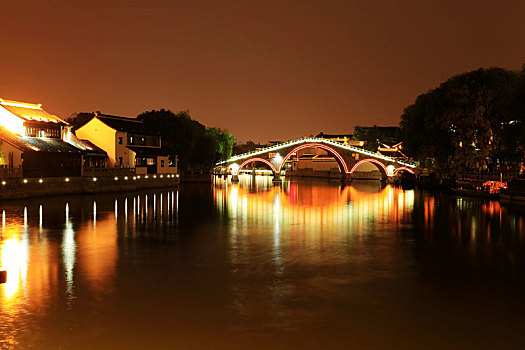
(303, 265)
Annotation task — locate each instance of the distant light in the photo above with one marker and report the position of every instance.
(116, 178)
(40, 181)
(94, 179)
(3, 182)
(146, 176)
(134, 177)
(67, 179)
(177, 175)
(125, 177)
(25, 181)
(162, 176)
(278, 157)
(154, 176)
(138, 177)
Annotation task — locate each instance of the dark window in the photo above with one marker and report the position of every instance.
(120, 140)
(162, 163)
(120, 160)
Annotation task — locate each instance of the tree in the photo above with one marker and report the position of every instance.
(79, 119)
(459, 124)
(198, 147)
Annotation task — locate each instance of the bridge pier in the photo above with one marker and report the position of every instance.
(346, 177)
(235, 179)
(277, 178)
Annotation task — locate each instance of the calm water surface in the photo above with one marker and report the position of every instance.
(304, 265)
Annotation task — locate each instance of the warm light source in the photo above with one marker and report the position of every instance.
(94, 179)
(40, 180)
(116, 178)
(11, 122)
(67, 179)
(3, 182)
(25, 181)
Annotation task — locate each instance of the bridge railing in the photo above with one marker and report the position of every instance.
(318, 140)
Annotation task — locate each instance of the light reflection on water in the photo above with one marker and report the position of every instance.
(253, 265)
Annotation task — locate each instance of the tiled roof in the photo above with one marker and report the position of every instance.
(50, 145)
(86, 146)
(129, 125)
(30, 112)
(38, 144)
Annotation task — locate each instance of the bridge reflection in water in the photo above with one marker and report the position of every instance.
(314, 208)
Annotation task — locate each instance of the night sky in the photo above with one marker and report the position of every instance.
(264, 70)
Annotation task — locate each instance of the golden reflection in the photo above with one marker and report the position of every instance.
(98, 256)
(13, 259)
(316, 208)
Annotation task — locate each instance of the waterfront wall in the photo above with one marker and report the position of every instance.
(55, 186)
(199, 178)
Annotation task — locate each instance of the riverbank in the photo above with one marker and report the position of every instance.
(55, 186)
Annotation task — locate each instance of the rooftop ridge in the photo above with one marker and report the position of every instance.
(117, 117)
(20, 104)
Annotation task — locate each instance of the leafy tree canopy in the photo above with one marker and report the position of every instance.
(471, 121)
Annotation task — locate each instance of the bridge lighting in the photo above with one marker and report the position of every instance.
(278, 157)
(235, 168)
(390, 170)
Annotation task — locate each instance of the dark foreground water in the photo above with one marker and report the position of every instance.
(307, 265)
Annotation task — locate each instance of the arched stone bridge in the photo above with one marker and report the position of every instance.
(347, 157)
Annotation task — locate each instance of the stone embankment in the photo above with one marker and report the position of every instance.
(56, 186)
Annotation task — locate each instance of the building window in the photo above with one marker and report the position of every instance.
(120, 161)
(120, 140)
(151, 161)
(162, 163)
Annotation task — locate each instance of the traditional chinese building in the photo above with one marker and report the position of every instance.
(128, 143)
(35, 143)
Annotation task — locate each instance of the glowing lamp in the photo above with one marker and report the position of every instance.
(116, 178)
(40, 181)
(3, 182)
(94, 179)
(67, 179)
(25, 181)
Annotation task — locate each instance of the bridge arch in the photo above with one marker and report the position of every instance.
(404, 168)
(235, 172)
(382, 168)
(343, 167)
